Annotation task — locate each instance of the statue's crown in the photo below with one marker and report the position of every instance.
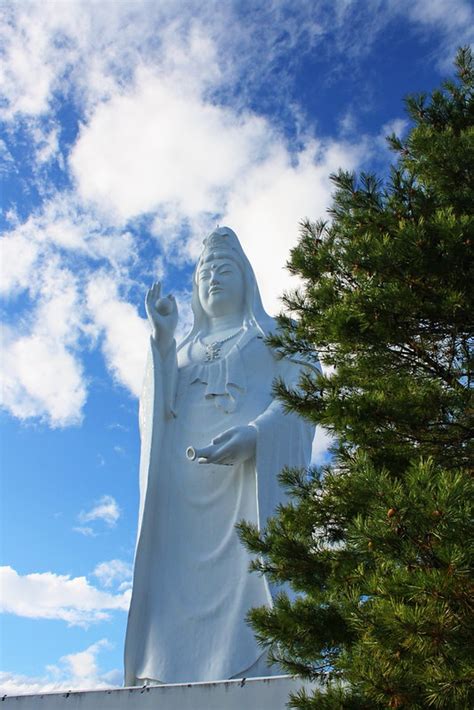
(222, 239)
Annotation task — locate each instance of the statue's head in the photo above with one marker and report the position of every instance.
(223, 283)
(219, 275)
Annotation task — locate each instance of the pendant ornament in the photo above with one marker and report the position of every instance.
(213, 350)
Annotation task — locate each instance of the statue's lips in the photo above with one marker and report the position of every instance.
(215, 289)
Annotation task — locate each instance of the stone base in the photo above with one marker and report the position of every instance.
(252, 694)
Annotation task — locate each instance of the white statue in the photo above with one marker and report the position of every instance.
(213, 440)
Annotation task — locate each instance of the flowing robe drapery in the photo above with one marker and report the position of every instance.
(192, 588)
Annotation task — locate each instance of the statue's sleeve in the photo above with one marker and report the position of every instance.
(284, 440)
(156, 405)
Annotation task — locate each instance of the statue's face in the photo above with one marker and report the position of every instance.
(221, 287)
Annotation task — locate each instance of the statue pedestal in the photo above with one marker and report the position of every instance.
(252, 694)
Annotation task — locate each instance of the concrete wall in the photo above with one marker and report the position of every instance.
(252, 694)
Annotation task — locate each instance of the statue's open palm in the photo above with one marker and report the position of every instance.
(162, 314)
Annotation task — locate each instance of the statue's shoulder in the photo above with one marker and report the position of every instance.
(254, 344)
(256, 349)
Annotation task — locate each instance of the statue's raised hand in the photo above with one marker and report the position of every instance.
(163, 316)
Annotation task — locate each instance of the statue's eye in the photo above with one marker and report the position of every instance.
(204, 275)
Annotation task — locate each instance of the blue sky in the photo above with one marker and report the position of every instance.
(128, 131)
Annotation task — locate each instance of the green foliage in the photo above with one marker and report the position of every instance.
(377, 546)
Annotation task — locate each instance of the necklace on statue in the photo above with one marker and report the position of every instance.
(213, 350)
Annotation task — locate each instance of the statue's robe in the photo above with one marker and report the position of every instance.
(192, 588)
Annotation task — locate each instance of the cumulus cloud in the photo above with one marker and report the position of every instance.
(18, 254)
(321, 444)
(454, 21)
(46, 595)
(42, 375)
(41, 378)
(85, 530)
(114, 572)
(275, 195)
(123, 334)
(94, 50)
(50, 257)
(105, 509)
(83, 665)
(73, 671)
(62, 226)
(186, 153)
(7, 162)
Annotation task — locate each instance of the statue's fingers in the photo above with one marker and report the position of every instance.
(222, 453)
(150, 294)
(212, 454)
(221, 438)
(224, 458)
(206, 453)
(149, 298)
(174, 305)
(152, 291)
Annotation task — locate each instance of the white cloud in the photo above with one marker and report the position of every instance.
(45, 595)
(118, 426)
(89, 51)
(175, 149)
(114, 572)
(124, 333)
(73, 671)
(7, 162)
(41, 378)
(85, 530)
(26, 77)
(93, 50)
(105, 509)
(47, 144)
(321, 443)
(83, 665)
(266, 207)
(399, 127)
(453, 20)
(62, 226)
(51, 258)
(18, 254)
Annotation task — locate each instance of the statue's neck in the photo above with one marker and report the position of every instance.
(218, 325)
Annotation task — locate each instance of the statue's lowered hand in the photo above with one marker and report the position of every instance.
(236, 444)
(163, 316)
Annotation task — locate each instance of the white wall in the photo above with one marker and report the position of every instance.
(252, 694)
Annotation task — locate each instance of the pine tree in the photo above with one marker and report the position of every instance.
(377, 545)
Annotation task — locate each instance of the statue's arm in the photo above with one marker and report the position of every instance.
(163, 317)
(290, 371)
(157, 398)
(159, 384)
(284, 436)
